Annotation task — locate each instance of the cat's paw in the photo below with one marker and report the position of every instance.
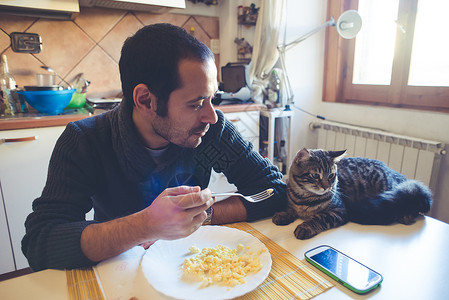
(408, 219)
(282, 218)
(304, 232)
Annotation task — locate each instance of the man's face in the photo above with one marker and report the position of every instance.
(190, 110)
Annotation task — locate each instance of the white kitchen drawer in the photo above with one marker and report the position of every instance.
(247, 122)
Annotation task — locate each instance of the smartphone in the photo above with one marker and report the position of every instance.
(344, 269)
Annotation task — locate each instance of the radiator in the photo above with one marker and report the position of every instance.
(414, 157)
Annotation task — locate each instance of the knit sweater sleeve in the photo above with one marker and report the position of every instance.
(53, 229)
(250, 172)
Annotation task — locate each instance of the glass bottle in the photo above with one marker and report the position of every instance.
(8, 87)
(274, 87)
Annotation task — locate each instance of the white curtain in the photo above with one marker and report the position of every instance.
(265, 53)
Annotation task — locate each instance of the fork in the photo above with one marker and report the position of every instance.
(251, 198)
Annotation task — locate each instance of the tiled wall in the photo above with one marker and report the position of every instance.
(90, 44)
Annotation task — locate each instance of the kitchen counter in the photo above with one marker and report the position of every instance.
(239, 107)
(33, 120)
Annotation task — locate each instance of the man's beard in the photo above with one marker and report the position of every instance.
(179, 136)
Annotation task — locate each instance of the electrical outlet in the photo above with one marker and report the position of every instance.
(24, 42)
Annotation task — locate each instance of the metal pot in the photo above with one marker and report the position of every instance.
(43, 88)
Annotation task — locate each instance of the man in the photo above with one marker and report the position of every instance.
(145, 166)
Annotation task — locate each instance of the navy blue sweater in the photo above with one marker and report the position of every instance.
(100, 162)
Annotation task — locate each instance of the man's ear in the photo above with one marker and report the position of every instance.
(144, 99)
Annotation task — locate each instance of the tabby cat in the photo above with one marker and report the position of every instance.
(326, 191)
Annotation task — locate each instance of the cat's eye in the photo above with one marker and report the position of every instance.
(331, 176)
(315, 176)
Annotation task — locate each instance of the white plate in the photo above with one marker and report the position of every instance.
(162, 263)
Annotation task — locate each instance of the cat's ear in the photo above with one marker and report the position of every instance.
(337, 155)
(302, 154)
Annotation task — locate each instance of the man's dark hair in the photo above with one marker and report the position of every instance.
(151, 56)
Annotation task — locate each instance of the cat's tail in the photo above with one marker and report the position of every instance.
(402, 204)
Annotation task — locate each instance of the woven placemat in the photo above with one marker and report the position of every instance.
(289, 278)
(82, 284)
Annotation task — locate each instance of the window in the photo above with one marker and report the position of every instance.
(400, 58)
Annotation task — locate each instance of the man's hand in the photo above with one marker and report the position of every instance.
(177, 212)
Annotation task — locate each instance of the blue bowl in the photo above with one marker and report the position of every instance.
(48, 102)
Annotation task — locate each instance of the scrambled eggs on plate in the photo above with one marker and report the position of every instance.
(221, 265)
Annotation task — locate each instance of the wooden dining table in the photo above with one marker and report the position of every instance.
(413, 260)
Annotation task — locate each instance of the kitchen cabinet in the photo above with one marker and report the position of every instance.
(154, 6)
(64, 10)
(23, 172)
(6, 257)
(247, 123)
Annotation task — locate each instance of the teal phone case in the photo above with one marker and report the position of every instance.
(339, 280)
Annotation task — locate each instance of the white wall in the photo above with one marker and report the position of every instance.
(305, 69)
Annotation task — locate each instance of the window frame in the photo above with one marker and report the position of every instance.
(338, 69)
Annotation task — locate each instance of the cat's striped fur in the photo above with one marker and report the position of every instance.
(326, 191)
